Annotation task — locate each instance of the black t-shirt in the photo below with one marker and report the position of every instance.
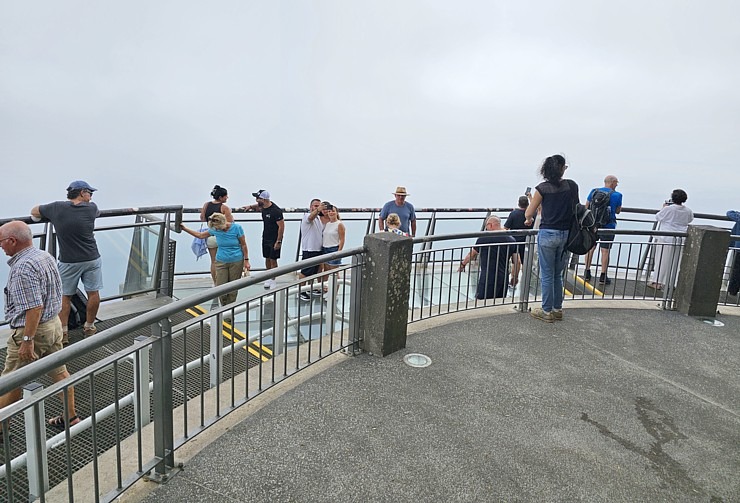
(74, 225)
(515, 222)
(557, 204)
(270, 217)
(494, 261)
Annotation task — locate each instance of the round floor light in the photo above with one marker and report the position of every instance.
(417, 360)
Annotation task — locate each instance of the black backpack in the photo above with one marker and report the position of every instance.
(582, 233)
(600, 207)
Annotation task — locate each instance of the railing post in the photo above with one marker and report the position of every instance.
(702, 266)
(37, 466)
(162, 377)
(385, 293)
(331, 303)
(527, 264)
(142, 414)
(164, 276)
(278, 334)
(355, 298)
(216, 350)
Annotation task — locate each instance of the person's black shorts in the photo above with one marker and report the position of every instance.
(606, 239)
(269, 251)
(310, 271)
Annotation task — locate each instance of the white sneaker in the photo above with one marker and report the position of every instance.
(266, 284)
(272, 284)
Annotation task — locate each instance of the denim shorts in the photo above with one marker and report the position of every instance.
(90, 272)
(331, 249)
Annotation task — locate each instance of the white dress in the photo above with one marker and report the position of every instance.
(667, 249)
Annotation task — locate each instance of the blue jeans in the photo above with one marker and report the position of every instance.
(552, 256)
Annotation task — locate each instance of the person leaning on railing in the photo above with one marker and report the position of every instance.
(734, 284)
(232, 257)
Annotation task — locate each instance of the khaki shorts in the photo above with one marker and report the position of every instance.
(48, 340)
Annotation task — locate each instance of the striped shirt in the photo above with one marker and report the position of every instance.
(33, 281)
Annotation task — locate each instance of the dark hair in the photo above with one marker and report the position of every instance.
(523, 202)
(679, 196)
(219, 192)
(328, 205)
(553, 168)
(74, 193)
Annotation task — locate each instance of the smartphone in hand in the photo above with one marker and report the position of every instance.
(528, 191)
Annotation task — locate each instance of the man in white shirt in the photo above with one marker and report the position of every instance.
(312, 228)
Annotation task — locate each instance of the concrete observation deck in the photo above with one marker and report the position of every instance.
(629, 403)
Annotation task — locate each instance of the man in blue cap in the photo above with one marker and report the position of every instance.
(79, 259)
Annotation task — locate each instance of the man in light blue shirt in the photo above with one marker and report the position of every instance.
(403, 209)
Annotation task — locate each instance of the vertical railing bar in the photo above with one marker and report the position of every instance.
(94, 433)
(233, 357)
(7, 460)
(68, 446)
(117, 422)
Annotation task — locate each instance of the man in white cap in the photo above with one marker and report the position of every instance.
(272, 230)
(79, 259)
(403, 209)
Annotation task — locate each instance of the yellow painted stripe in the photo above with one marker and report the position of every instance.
(235, 335)
(587, 285)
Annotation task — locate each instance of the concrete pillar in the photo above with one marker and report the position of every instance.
(385, 293)
(702, 266)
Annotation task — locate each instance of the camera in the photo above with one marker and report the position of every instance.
(668, 202)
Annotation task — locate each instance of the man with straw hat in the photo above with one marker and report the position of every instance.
(403, 209)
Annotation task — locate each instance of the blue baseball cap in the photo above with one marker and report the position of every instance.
(80, 185)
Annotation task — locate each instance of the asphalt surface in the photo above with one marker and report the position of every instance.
(607, 405)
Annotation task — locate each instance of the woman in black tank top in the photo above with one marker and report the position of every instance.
(218, 205)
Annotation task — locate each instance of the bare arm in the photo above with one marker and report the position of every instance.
(340, 229)
(470, 256)
(413, 228)
(532, 208)
(227, 213)
(281, 230)
(33, 317)
(203, 212)
(196, 234)
(245, 252)
(381, 224)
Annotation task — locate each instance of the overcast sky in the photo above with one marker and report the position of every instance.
(154, 102)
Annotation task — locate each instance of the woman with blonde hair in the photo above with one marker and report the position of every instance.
(232, 255)
(220, 195)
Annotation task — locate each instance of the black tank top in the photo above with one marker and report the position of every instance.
(212, 208)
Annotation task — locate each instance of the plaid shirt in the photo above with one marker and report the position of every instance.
(33, 281)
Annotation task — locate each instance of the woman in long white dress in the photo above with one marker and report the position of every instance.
(676, 217)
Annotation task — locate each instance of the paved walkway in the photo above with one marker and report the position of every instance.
(608, 405)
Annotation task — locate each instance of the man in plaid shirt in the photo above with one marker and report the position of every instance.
(33, 299)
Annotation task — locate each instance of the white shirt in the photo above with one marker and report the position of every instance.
(311, 233)
(331, 234)
(675, 218)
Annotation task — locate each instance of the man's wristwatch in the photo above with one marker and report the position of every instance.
(27, 338)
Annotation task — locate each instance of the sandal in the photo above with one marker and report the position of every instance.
(58, 422)
(655, 286)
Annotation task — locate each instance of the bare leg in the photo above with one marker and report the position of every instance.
(93, 304)
(70, 393)
(66, 307)
(604, 259)
(588, 258)
(212, 253)
(10, 397)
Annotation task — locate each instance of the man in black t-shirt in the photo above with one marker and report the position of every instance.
(272, 232)
(494, 251)
(516, 222)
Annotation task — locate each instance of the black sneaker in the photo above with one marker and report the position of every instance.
(604, 279)
(305, 296)
(587, 275)
(317, 293)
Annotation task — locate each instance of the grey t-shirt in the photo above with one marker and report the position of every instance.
(74, 225)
